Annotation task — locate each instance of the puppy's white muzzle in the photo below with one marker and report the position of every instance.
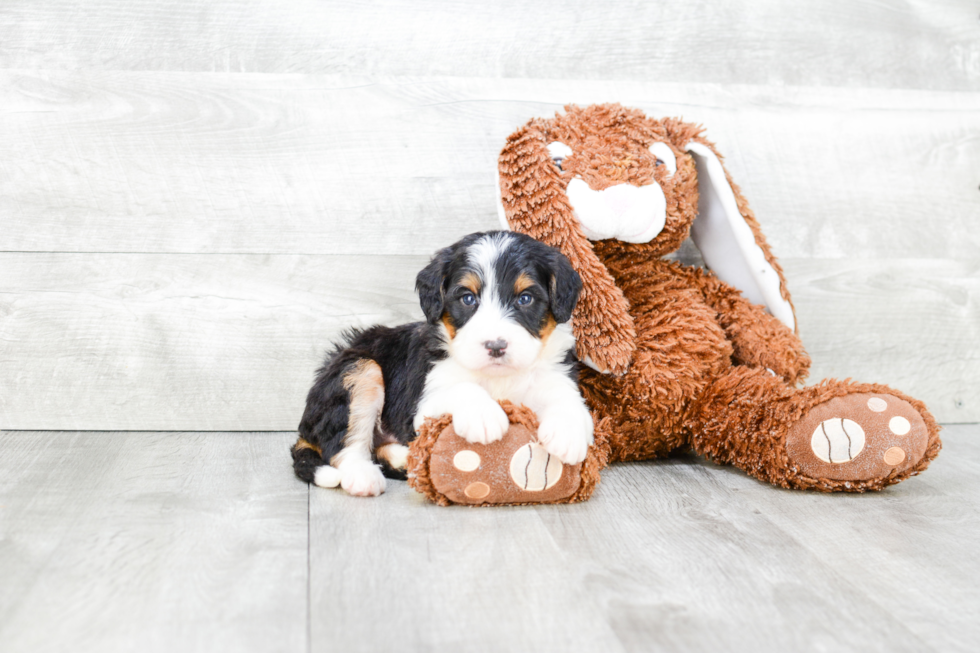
(491, 325)
(634, 214)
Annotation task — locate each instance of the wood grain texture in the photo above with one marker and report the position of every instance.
(231, 342)
(164, 342)
(198, 542)
(910, 549)
(913, 44)
(151, 542)
(402, 574)
(221, 163)
(675, 555)
(913, 324)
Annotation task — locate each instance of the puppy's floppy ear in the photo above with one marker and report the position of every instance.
(730, 239)
(534, 202)
(566, 284)
(430, 284)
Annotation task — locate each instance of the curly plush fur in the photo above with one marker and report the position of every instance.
(689, 361)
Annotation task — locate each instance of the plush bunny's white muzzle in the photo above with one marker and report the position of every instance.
(634, 214)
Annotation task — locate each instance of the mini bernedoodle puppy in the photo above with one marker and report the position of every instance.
(497, 308)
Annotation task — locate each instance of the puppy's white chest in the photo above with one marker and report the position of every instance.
(512, 388)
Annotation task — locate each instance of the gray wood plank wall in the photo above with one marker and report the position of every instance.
(922, 44)
(195, 199)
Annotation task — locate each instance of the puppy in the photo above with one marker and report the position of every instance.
(497, 307)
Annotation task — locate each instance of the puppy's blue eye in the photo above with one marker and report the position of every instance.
(469, 299)
(524, 299)
(558, 160)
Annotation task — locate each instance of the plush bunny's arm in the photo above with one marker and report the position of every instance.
(535, 204)
(759, 339)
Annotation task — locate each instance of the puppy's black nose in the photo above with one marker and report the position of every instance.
(496, 347)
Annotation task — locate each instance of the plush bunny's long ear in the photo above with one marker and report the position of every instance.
(534, 203)
(730, 240)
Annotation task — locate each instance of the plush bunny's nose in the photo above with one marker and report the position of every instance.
(634, 214)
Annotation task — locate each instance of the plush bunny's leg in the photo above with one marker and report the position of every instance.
(758, 338)
(680, 348)
(835, 436)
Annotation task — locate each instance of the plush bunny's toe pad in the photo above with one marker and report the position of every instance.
(858, 437)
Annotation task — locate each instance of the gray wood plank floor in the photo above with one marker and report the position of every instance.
(151, 541)
(205, 542)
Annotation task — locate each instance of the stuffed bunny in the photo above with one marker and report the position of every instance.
(682, 356)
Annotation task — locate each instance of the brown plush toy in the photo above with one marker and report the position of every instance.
(683, 356)
(513, 470)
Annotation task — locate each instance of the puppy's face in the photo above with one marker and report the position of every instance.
(498, 296)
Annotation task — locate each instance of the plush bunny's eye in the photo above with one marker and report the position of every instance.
(559, 152)
(665, 157)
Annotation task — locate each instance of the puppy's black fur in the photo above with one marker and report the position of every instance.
(407, 353)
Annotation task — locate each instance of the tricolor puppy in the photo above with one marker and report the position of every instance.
(497, 307)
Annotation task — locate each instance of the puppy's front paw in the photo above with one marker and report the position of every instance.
(326, 476)
(361, 478)
(566, 432)
(481, 420)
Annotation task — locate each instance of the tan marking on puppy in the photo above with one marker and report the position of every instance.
(366, 387)
(447, 321)
(523, 283)
(548, 328)
(395, 454)
(304, 444)
(471, 282)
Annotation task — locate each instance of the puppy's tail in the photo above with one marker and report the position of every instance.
(309, 465)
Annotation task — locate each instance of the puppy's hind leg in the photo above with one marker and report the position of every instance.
(359, 475)
(393, 457)
(309, 465)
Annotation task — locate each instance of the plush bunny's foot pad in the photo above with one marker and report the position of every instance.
(858, 437)
(513, 470)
